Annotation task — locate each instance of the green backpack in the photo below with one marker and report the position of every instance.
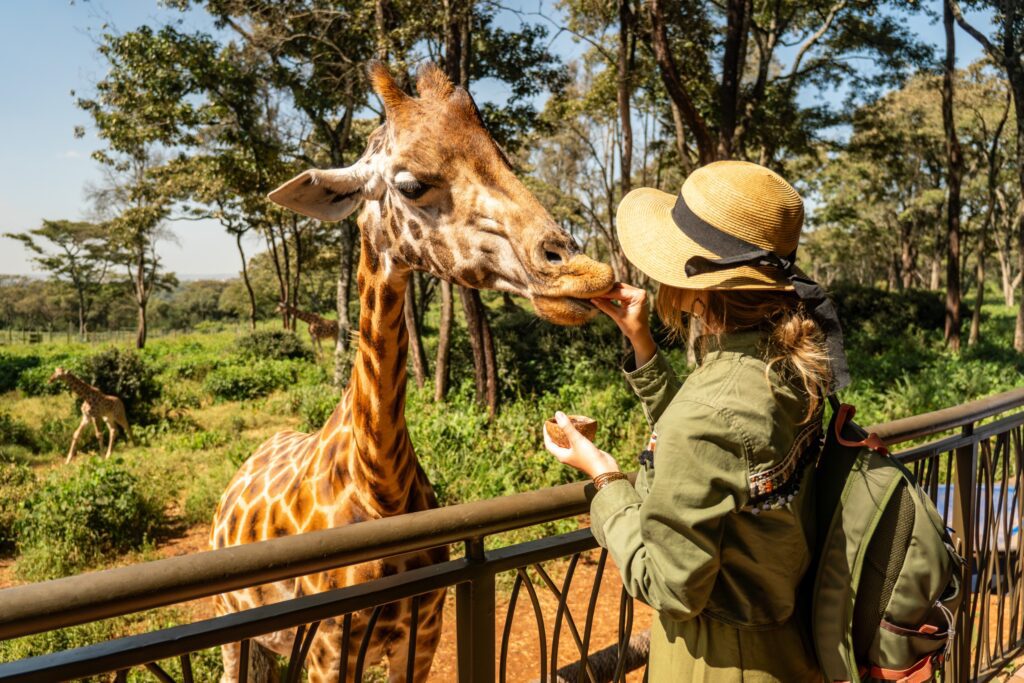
(887, 579)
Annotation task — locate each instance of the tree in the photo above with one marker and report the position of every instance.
(734, 96)
(1006, 49)
(954, 179)
(76, 257)
(134, 208)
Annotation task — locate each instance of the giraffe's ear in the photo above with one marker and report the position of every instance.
(329, 195)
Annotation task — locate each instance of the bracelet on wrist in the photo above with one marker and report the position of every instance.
(605, 478)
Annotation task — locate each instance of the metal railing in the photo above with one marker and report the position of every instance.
(973, 473)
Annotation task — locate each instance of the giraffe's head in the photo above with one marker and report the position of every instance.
(448, 203)
(58, 373)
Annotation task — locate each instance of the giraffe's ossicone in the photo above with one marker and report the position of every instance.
(439, 196)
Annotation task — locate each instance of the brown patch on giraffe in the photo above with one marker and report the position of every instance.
(414, 228)
(388, 299)
(442, 255)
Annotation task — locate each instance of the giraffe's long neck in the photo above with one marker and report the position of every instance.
(304, 316)
(81, 388)
(379, 456)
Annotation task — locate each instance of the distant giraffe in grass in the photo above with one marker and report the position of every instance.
(95, 406)
(319, 328)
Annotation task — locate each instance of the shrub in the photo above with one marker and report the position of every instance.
(876, 318)
(314, 404)
(17, 482)
(203, 496)
(11, 368)
(14, 432)
(125, 374)
(34, 381)
(272, 345)
(77, 519)
(253, 380)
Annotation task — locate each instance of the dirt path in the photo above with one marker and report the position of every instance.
(524, 643)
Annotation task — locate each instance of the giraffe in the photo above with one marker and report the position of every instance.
(95, 406)
(319, 328)
(437, 195)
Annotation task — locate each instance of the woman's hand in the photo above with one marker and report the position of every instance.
(632, 315)
(581, 453)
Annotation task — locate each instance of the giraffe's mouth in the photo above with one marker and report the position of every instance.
(564, 310)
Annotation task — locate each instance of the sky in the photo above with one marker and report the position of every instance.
(48, 51)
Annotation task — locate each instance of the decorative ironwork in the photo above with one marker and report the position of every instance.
(974, 475)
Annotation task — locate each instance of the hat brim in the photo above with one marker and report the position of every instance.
(653, 242)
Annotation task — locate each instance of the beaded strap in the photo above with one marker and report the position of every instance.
(602, 480)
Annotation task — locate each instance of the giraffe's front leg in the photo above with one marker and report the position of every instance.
(96, 430)
(110, 428)
(74, 438)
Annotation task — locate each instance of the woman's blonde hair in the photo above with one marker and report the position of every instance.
(796, 345)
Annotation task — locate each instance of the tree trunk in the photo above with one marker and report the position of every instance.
(341, 347)
(1006, 275)
(955, 169)
(417, 355)
(444, 340)
(248, 283)
(732, 70)
(141, 331)
(624, 90)
(474, 330)
(81, 314)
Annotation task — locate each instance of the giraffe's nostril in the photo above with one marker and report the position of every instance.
(553, 257)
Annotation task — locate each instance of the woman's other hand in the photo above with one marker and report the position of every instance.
(627, 306)
(581, 453)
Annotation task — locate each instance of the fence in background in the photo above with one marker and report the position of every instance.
(973, 469)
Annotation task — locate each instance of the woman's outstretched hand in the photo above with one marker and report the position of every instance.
(581, 453)
(627, 306)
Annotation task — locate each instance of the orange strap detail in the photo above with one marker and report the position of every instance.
(872, 441)
(918, 673)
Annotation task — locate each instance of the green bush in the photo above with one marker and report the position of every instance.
(17, 483)
(78, 518)
(14, 432)
(249, 381)
(35, 381)
(273, 345)
(203, 496)
(11, 368)
(874, 319)
(127, 375)
(314, 404)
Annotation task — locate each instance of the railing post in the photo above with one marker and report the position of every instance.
(966, 528)
(474, 620)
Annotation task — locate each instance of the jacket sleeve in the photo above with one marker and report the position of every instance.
(666, 545)
(655, 383)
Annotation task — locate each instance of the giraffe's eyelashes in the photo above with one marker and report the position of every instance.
(412, 188)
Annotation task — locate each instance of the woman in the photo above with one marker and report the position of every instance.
(716, 533)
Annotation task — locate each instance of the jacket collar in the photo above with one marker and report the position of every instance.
(747, 343)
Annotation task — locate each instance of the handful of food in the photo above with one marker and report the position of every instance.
(587, 426)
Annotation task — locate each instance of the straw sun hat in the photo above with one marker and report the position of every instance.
(734, 225)
(661, 233)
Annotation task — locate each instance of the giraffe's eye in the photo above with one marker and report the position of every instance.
(412, 189)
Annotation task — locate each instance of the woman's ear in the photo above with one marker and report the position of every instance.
(329, 195)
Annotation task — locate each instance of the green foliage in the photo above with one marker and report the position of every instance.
(313, 404)
(205, 492)
(34, 381)
(273, 345)
(78, 518)
(253, 380)
(124, 373)
(17, 484)
(14, 432)
(875, 319)
(11, 368)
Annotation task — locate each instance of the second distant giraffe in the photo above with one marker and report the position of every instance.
(319, 328)
(95, 406)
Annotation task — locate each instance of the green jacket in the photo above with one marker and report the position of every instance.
(718, 526)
